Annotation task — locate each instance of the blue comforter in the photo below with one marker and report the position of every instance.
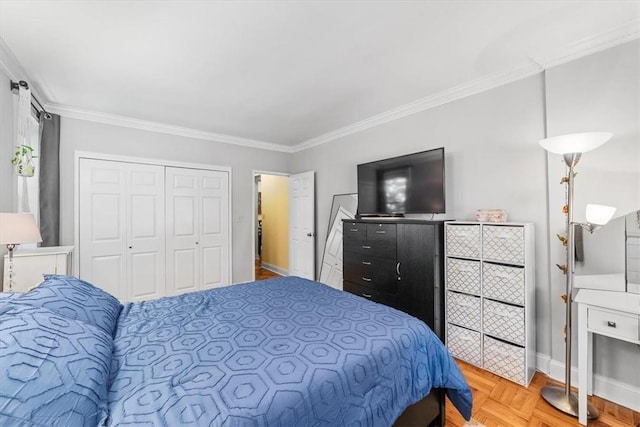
(282, 352)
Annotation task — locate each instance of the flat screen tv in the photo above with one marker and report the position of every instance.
(409, 184)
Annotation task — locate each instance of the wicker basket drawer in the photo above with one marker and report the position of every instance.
(507, 360)
(503, 243)
(503, 282)
(463, 240)
(464, 310)
(504, 321)
(464, 344)
(463, 275)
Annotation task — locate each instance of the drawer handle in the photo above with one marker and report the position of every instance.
(503, 313)
(366, 295)
(366, 279)
(611, 324)
(366, 247)
(355, 230)
(503, 275)
(504, 236)
(466, 269)
(461, 233)
(381, 232)
(366, 262)
(466, 338)
(465, 304)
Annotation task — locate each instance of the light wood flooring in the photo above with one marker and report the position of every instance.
(499, 402)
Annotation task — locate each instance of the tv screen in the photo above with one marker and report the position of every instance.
(410, 184)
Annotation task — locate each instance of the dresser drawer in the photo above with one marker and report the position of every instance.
(354, 231)
(503, 282)
(463, 275)
(504, 321)
(624, 326)
(507, 360)
(373, 272)
(503, 243)
(464, 344)
(370, 294)
(463, 240)
(383, 232)
(379, 248)
(463, 310)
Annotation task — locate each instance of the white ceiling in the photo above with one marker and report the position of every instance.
(289, 73)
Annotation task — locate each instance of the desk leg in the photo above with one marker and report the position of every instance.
(583, 363)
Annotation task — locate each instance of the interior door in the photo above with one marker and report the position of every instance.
(182, 231)
(145, 264)
(102, 230)
(302, 225)
(331, 272)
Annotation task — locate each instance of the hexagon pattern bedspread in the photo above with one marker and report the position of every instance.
(280, 352)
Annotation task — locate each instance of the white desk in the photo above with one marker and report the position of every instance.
(613, 314)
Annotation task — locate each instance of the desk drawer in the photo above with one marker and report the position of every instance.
(618, 325)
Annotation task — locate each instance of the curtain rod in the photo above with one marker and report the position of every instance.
(15, 87)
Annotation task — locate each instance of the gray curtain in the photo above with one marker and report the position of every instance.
(50, 180)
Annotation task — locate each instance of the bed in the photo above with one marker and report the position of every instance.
(280, 352)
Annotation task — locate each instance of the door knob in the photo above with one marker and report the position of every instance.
(310, 234)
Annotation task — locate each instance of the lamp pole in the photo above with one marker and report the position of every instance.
(559, 398)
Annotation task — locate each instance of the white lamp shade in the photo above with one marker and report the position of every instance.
(16, 228)
(599, 214)
(575, 142)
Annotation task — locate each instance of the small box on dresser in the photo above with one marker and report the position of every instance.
(490, 296)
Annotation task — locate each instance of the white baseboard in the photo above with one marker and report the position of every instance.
(279, 270)
(615, 391)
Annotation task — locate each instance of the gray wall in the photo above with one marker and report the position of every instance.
(493, 160)
(95, 137)
(599, 92)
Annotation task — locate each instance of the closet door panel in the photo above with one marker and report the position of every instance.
(145, 233)
(102, 225)
(182, 230)
(214, 235)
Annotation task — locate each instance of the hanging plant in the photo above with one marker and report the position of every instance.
(23, 161)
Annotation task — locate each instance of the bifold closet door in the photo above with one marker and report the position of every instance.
(197, 214)
(121, 228)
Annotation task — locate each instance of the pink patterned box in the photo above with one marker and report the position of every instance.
(491, 215)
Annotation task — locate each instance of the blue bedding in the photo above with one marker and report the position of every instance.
(281, 352)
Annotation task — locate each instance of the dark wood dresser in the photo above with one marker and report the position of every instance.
(399, 263)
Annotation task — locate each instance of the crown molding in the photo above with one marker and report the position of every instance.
(110, 119)
(592, 44)
(605, 40)
(449, 95)
(10, 65)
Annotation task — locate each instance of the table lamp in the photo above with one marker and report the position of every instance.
(17, 228)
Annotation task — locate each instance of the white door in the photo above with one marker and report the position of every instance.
(121, 228)
(302, 225)
(214, 229)
(102, 230)
(198, 237)
(182, 231)
(145, 232)
(331, 271)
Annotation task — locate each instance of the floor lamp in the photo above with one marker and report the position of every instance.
(571, 147)
(17, 228)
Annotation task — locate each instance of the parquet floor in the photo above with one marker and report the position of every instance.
(263, 273)
(499, 402)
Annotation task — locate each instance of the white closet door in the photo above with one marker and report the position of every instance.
(145, 232)
(214, 228)
(182, 231)
(102, 225)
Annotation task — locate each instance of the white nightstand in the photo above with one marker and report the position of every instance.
(30, 264)
(608, 313)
